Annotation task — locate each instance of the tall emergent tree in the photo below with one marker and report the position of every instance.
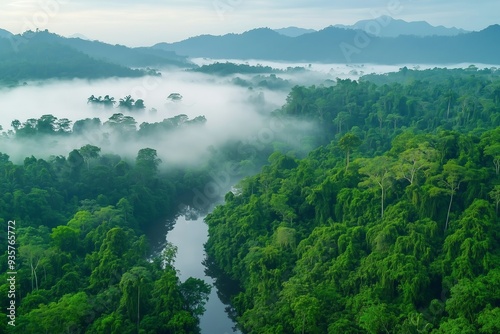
(379, 172)
(88, 153)
(347, 143)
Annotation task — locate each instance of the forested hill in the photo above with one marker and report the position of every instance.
(345, 46)
(116, 54)
(125, 56)
(391, 227)
(39, 60)
(43, 55)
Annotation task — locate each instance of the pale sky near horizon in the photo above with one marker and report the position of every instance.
(147, 22)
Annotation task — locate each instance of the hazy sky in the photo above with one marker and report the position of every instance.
(146, 22)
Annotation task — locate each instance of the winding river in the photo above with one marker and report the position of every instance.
(189, 236)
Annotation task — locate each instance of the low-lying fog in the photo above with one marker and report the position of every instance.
(232, 112)
(333, 71)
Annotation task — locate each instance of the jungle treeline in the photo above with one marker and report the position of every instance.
(391, 225)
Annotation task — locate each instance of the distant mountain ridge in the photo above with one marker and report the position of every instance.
(294, 31)
(339, 45)
(80, 36)
(386, 26)
(5, 34)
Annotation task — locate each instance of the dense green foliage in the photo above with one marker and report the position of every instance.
(390, 225)
(403, 239)
(80, 222)
(82, 254)
(460, 100)
(434, 75)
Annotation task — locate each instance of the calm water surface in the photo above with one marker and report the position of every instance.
(189, 237)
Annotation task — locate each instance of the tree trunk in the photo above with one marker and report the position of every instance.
(382, 204)
(449, 209)
(32, 276)
(448, 112)
(36, 277)
(347, 160)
